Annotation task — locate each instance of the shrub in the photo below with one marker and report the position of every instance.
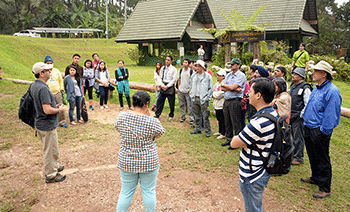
(341, 68)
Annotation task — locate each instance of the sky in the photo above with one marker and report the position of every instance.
(340, 2)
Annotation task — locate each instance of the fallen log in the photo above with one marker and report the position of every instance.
(150, 88)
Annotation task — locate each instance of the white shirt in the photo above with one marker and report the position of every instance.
(170, 75)
(201, 52)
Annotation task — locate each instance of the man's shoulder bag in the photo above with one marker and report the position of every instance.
(170, 90)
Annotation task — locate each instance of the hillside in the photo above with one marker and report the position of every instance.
(18, 54)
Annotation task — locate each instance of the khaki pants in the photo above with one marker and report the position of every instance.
(50, 152)
(61, 115)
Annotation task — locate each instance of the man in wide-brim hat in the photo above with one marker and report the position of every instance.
(321, 116)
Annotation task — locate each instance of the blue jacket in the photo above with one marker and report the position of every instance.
(324, 107)
(69, 87)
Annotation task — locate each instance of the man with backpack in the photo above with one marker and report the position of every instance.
(183, 94)
(46, 120)
(321, 116)
(300, 92)
(261, 132)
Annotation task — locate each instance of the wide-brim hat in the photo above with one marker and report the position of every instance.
(323, 66)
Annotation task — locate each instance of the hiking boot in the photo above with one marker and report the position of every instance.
(321, 194)
(196, 132)
(60, 168)
(294, 162)
(308, 180)
(57, 178)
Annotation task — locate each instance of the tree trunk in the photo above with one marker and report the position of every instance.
(256, 50)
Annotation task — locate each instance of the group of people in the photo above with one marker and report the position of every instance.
(312, 112)
(78, 81)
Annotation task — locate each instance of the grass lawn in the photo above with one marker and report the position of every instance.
(197, 153)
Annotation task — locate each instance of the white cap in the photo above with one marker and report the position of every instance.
(201, 63)
(222, 72)
(40, 66)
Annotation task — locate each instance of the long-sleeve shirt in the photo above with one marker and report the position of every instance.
(55, 82)
(204, 83)
(218, 96)
(168, 75)
(324, 107)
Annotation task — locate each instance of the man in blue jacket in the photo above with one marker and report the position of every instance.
(321, 116)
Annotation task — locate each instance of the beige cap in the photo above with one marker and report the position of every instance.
(40, 66)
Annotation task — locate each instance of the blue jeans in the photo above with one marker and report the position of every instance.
(148, 182)
(253, 193)
(75, 101)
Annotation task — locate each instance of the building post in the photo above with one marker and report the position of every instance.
(107, 36)
(256, 50)
(227, 52)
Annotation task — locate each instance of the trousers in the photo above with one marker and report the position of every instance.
(50, 152)
(148, 182)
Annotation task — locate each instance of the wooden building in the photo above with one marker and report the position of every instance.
(156, 25)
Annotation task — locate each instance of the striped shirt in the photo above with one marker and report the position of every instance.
(260, 131)
(138, 153)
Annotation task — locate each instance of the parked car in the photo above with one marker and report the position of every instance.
(27, 33)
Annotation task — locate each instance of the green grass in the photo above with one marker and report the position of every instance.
(182, 151)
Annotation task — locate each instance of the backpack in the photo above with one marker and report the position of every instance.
(26, 108)
(177, 81)
(280, 157)
(84, 113)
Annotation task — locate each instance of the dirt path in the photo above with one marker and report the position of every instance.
(93, 180)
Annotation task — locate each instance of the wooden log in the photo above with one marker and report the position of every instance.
(19, 81)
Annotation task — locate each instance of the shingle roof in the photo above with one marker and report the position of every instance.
(285, 15)
(193, 32)
(158, 20)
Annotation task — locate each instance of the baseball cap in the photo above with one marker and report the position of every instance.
(222, 72)
(236, 61)
(40, 66)
(299, 71)
(201, 63)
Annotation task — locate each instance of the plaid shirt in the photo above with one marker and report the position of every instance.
(138, 151)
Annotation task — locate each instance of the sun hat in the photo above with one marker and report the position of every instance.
(222, 72)
(299, 71)
(40, 66)
(323, 66)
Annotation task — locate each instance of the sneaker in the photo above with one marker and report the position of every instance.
(221, 137)
(73, 123)
(121, 108)
(191, 122)
(308, 180)
(217, 134)
(91, 108)
(131, 108)
(101, 107)
(182, 120)
(57, 178)
(64, 125)
(321, 194)
(226, 143)
(60, 168)
(106, 106)
(171, 119)
(196, 132)
(207, 135)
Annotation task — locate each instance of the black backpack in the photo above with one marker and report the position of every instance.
(26, 108)
(280, 158)
(84, 113)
